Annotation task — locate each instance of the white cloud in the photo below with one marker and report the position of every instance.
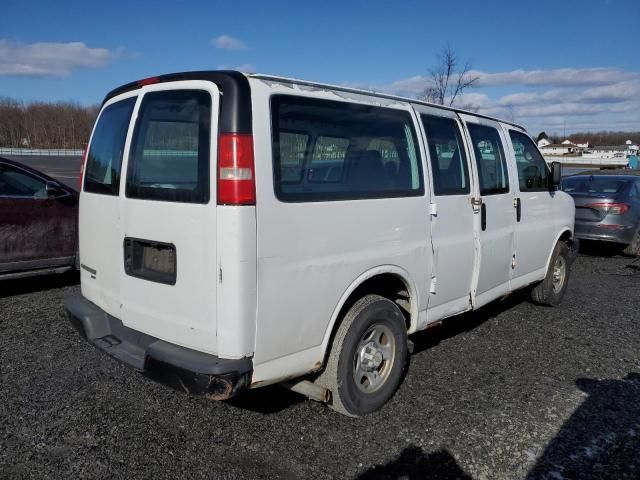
(411, 87)
(50, 59)
(616, 92)
(245, 67)
(561, 77)
(473, 101)
(556, 99)
(227, 42)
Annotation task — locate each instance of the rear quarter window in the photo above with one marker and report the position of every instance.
(326, 150)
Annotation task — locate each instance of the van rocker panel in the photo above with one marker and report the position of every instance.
(179, 367)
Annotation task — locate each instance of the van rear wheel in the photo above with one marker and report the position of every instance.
(368, 357)
(552, 289)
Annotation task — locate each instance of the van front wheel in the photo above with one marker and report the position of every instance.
(552, 289)
(368, 357)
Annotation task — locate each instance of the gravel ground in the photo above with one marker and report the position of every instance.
(512, 391)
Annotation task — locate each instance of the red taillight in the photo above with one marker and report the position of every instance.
(611, 208)
(610, 227)
(148, 81)
(236, 175)
(82, 164)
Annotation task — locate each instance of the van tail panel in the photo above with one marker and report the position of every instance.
(237, 288)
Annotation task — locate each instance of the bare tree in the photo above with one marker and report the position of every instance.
(45, 125)
(511, 113)
(447, 81)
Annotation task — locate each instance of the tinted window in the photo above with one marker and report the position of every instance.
(293, 147)
(102, 171)
(589, 185)
(533, 173)
(345, 151)
(15, 183)
(170, 152)
(448, 160)
(327, 159)
(492, 165)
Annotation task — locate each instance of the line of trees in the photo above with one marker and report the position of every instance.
(602, 138)
(45, 125)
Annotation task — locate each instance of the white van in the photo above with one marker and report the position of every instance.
(244, 230)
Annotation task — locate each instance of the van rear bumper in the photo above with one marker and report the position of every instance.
(179, 367)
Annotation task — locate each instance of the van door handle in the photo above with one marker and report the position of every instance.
(483, 216)
(518, 204)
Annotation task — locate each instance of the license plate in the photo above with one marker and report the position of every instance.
(150, 260)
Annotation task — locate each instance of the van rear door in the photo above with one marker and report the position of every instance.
(168, 216)
(99, 212)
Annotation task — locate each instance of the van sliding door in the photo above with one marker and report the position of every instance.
(495, 206)
(452, 216)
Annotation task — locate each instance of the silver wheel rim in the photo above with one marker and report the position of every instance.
(374, 357)
(559, 274)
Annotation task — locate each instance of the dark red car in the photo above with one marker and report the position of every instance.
(38, 223)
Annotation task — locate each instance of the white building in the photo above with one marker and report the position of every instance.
(617, 151)
(559, 149)
(543, 142)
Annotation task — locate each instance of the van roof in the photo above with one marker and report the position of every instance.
(236, 88)
(386, 96)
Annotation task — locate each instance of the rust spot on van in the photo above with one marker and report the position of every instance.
(219, 388)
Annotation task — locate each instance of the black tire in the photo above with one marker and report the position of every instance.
(353, 353)
(633, 249)
(552, 289)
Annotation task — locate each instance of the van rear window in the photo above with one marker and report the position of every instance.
(102, 171)
(170, 152)
(327, 150)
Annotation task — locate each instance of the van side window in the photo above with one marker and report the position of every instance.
(352, 151)
(533, 173)
(170, 154)
(448, 160)
(104, 161)
(492, 164)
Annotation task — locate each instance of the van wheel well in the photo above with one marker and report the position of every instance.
(565, 237)
(387, 285)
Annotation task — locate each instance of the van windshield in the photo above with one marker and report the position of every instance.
(170, 154)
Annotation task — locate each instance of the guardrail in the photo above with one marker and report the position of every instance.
(45, 152)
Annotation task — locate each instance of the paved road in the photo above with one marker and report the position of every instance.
(514, 391)
(64, 169)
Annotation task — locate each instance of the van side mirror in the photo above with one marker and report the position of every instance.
(556, 174)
